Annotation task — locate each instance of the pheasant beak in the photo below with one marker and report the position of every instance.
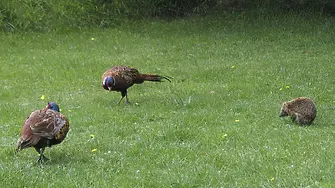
(109, 88)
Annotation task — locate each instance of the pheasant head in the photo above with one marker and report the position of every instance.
(108, 83)
(52, 106)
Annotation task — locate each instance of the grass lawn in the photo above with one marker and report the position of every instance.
(215, 125)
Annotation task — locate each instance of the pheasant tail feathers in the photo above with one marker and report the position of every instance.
(151, 77)
(27, 141)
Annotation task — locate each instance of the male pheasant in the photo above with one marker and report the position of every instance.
(43, 128)
(120, 78)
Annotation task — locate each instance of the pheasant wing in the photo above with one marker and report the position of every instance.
(27, 139)
(50, 125)
(123, 76)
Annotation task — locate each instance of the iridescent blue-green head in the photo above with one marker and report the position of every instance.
(108, 83)
(53, 106)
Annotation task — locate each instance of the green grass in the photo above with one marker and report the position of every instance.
(215, 125)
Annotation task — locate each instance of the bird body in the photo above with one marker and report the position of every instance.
(120, 78)
(302, 110)
(43, 128)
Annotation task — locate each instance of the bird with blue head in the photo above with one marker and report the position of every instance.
(120, 78)
(43, 128)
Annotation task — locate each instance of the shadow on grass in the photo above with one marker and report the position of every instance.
(55, 158)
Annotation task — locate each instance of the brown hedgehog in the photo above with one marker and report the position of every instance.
(302, 110)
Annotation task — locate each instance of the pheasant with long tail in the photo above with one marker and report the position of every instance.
(43, 128)
(120, 78)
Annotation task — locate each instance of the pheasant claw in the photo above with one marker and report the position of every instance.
(42, 159)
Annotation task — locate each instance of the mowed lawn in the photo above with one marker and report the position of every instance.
(215, 125)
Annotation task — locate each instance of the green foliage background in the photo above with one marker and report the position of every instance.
(46, 15)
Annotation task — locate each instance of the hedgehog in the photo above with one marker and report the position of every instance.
(302, 110)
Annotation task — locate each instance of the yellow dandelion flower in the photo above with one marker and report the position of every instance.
(94, 150)
(233, 66)
(237, 120)
(92, 135)
(60, 110)
(92, 39)
(42, 97)
(272, 178)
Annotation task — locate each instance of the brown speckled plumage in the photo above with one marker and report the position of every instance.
(302, 110)
(43, 128)
(120, 78)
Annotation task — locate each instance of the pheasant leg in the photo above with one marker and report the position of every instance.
(41, 158)
(124, 94)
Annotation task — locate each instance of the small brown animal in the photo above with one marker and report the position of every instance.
(120, 78)
(43, 128)
(302, 110)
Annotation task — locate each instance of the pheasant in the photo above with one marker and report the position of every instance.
(43, 128)
(120, 78)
